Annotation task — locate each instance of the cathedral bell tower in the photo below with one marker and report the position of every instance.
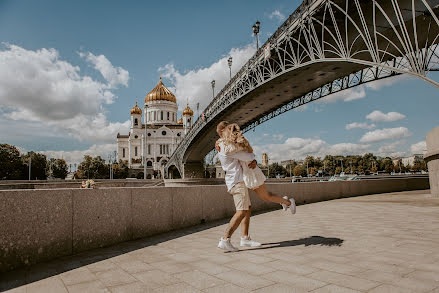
(188, 119)
(136, 117)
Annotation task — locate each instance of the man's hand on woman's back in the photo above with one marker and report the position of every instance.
(252, 164)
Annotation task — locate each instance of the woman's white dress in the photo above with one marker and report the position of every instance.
(253, 178)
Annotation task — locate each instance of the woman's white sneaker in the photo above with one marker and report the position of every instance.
(292, 207)
(226, 245)
(247, 241)
(284, 206)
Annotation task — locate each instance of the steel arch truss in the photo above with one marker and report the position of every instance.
(386, 37)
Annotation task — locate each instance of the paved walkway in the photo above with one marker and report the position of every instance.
(377, 243)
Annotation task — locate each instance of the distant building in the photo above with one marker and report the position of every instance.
(264, 159)
(163, 129)
(412, 159)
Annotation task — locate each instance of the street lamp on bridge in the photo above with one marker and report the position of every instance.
(145, 145)
(229, 61)
(213, 88)
(256, 32)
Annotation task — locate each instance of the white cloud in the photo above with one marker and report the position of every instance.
(384, 134)
(77, 156)
(195, 85)
(359, 92)
(278, 136)
(299, 148)
(39, 86)
(113, 75)
(276, 14)
(360, 125)
(378, 116)
(390, 150)
(348, 95)
(419, 148)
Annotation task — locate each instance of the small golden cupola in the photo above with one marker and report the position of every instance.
(136, 110)
(180, 121)
(188, 111)
(160, 93)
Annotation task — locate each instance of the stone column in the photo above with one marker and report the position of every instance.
(432, 159)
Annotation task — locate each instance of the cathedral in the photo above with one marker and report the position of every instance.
(164, 131)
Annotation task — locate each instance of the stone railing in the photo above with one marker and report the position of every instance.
(38, 225)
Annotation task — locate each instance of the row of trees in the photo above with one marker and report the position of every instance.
(332, 165)
(96, 168)
(14, 165)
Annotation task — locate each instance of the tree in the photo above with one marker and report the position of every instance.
(120, 170)
(93, 168)
(276, 169)
(299, 170)
(59, 168)
(11, 165)
(38, 165)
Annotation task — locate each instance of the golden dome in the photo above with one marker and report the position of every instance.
(180, 121)
(188, 111)
(160, 93)
(136, 110)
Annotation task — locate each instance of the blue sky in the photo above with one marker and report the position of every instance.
(105, 55)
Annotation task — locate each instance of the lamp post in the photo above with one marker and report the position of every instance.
(256, 32)
(213, 88)
(145, 107)
(30, 165)
(229, 61)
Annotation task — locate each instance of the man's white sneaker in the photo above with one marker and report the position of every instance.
(226, 245)
(247, 241)
(284, 206)
(292, 207)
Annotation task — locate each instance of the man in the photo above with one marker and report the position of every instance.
(236, 187)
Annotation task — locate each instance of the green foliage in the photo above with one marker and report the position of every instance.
(120, 170)
(58, 168)
(38, 165)
(93, 168)
(300, 170)
(11, 165)
(276, 169)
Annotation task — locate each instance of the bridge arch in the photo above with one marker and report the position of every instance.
(323, 47)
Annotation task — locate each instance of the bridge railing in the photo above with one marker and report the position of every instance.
(210, 110)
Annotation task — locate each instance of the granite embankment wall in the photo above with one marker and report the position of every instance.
(38, 225)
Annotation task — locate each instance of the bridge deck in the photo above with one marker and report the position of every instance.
(377, 243)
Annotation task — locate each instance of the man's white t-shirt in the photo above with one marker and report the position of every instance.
(231, 165)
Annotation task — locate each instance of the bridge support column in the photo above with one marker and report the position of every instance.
(432, 159)
(193, 170)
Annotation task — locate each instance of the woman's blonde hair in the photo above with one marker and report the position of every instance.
(233, 134)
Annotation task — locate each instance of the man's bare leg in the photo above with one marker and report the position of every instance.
(245, 224)
(234, 223)
(265, 195)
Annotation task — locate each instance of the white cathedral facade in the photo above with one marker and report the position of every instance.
(163, 132)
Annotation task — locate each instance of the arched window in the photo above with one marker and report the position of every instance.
(161, 115)
(149, 164)
(135, 151)
(154, 116)
(168, 116)
(123, 153)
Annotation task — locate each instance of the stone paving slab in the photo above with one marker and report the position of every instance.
(377, 243)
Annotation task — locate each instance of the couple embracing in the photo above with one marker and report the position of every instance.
(238, 161)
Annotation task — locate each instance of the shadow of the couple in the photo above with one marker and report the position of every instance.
(313, 240)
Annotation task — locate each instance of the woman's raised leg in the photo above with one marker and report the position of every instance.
(264, 194)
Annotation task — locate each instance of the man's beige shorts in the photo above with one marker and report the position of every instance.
(241, 196)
